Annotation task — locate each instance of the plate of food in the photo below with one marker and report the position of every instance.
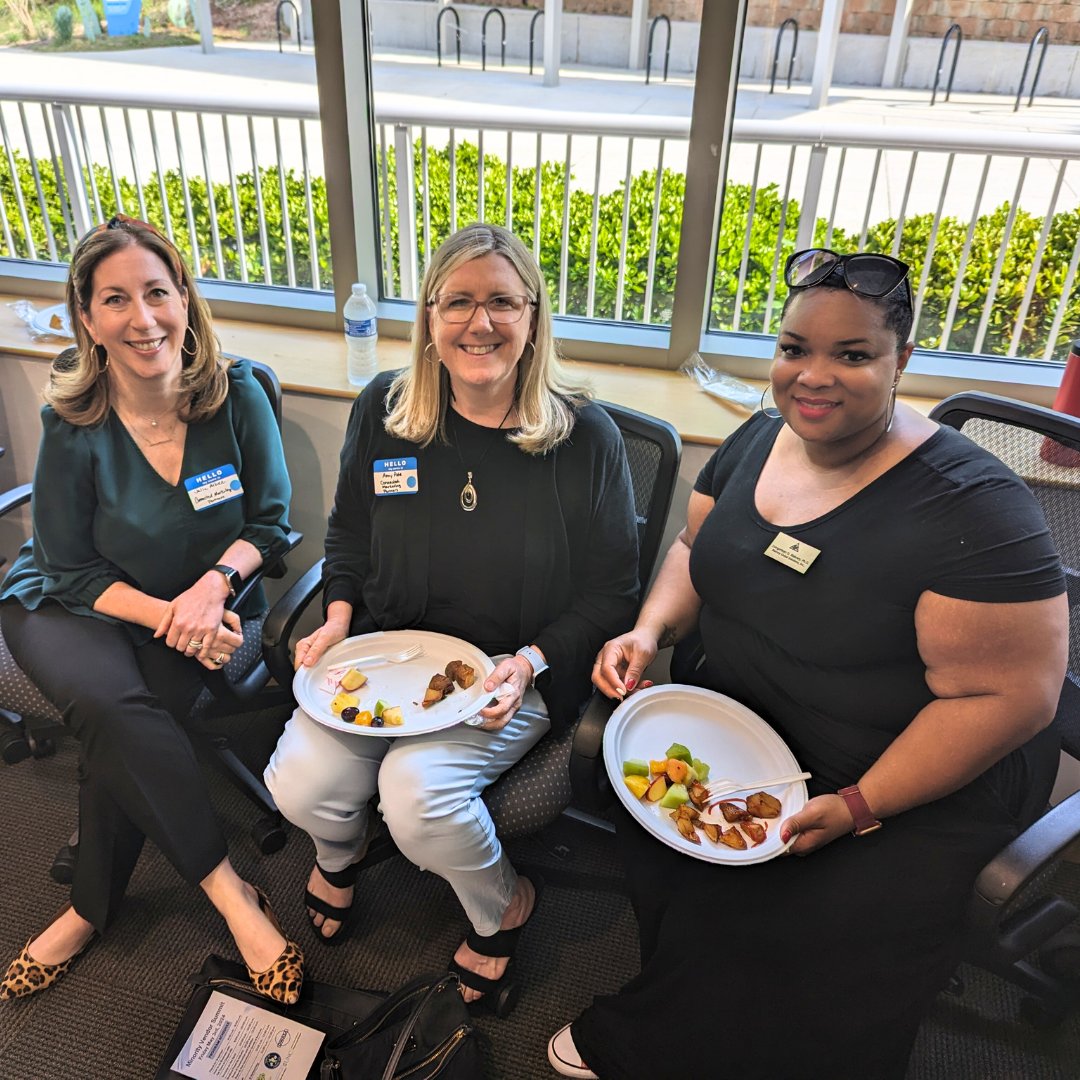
(662, 741)
(52, 320)
(439, 687)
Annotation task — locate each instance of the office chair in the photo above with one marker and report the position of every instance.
(1008, 921)
(28, 720)
(562, 774)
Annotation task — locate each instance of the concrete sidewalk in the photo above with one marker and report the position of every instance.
(251, 70)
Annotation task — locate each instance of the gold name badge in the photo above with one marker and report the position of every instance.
(797, 554)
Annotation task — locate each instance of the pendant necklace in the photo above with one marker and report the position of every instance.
(468, 497)
(154, 422)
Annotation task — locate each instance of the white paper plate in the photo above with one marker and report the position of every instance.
(42, 321)
(733, 741)
(396, 684)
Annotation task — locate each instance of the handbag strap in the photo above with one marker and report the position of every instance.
(406, 1031)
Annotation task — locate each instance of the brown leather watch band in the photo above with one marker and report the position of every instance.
(861, 814)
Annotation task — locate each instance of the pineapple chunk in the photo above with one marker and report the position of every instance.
(392, 715)
(343, 701)
(637, 784)
(353, 679)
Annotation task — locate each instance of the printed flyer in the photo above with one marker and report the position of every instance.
(234, 1040)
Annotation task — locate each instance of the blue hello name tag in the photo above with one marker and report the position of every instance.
(396, 476)
(214, 486)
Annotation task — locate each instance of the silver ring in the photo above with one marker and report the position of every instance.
(219, 659)
(195, 643)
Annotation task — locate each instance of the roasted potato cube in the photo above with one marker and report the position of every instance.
(687, 830)
(711, 831)
(754, 830)
(733, 812)
(461, 673)
(733, 838)
(698, 793)
(763, 805)
(437, 689)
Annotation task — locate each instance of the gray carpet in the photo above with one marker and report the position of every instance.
(113, 1015)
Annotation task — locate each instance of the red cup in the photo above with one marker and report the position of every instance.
(1067, 400)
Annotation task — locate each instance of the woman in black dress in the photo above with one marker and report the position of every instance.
(913, 668)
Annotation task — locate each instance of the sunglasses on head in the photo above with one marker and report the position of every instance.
(119, 220)
(864, 273)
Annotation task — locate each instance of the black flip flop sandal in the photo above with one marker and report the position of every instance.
(340, 879)
(500, 995)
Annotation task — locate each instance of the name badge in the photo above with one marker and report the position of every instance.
(797, 554)
(396, 476)
(214, 486)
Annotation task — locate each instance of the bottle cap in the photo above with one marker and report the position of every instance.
(359, 289)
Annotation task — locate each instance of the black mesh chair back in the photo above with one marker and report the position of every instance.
(1042, 447)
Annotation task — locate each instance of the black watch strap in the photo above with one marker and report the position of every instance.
(232, 578)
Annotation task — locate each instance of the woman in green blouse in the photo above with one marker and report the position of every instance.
(160, 484)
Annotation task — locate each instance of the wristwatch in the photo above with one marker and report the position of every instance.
(861, 814)
(232, 578)
(536, 661)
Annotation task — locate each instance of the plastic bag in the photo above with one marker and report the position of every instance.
(727, 388)
(46, 324)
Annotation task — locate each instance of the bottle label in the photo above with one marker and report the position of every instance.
(361, 327)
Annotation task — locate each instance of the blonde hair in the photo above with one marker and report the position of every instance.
(546, 399)
(78, 387)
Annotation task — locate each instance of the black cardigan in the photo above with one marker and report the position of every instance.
(581, 558)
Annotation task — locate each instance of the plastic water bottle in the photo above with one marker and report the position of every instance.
(361, 336)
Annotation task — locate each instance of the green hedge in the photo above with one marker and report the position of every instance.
(610, 256)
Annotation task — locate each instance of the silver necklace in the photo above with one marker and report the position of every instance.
(469, 497)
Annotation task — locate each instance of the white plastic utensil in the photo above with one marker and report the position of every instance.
(721, 789)
(402, 657)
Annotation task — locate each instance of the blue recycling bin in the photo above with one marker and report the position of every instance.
(122, 17)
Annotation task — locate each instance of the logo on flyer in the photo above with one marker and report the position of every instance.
(272, 1061)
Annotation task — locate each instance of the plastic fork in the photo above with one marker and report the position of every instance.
(721, 789)
(401, 657)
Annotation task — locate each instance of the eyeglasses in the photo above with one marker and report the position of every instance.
(863, 273)
(501, 310)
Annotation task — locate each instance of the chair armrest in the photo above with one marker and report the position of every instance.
(16, 497)
(266, 570)
(282, 620)
(589, 785)
(1003, 878)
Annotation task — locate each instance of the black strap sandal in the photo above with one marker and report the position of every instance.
(500, 995)
(340, 879)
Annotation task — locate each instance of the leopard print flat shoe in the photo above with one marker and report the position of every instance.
(25, 975)
(282, 980)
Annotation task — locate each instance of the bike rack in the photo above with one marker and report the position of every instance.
(941, 60)
(1042, 34)
(794, 24)
(532, 37)
(277, 22)
(667, 50)
(451, 10)
(483, 37)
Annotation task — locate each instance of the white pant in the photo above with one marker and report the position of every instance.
(429, 795)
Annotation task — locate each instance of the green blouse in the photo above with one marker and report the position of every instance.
(102, 514)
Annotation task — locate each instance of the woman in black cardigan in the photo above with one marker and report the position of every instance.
(518, 536)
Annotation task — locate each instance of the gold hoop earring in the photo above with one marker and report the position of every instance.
(431, 345)
(195, 338)
(891, 410)
(774, 412)
(102, 366)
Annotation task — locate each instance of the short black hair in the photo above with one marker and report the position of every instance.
(899, 318)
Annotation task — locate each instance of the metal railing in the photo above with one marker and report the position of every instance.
(954, 30)
(598, 198)
(483, 36)
(278, 26)
(532, 36)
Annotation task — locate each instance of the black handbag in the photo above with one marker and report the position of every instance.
(420, 1031)
(341, 1013)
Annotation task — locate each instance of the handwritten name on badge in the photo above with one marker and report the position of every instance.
(797, 554)
(214, 486)
(396, 476)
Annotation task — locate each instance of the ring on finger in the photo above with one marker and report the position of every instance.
(219, 659)
(195, 643)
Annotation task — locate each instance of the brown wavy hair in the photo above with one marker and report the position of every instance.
(78, 387)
